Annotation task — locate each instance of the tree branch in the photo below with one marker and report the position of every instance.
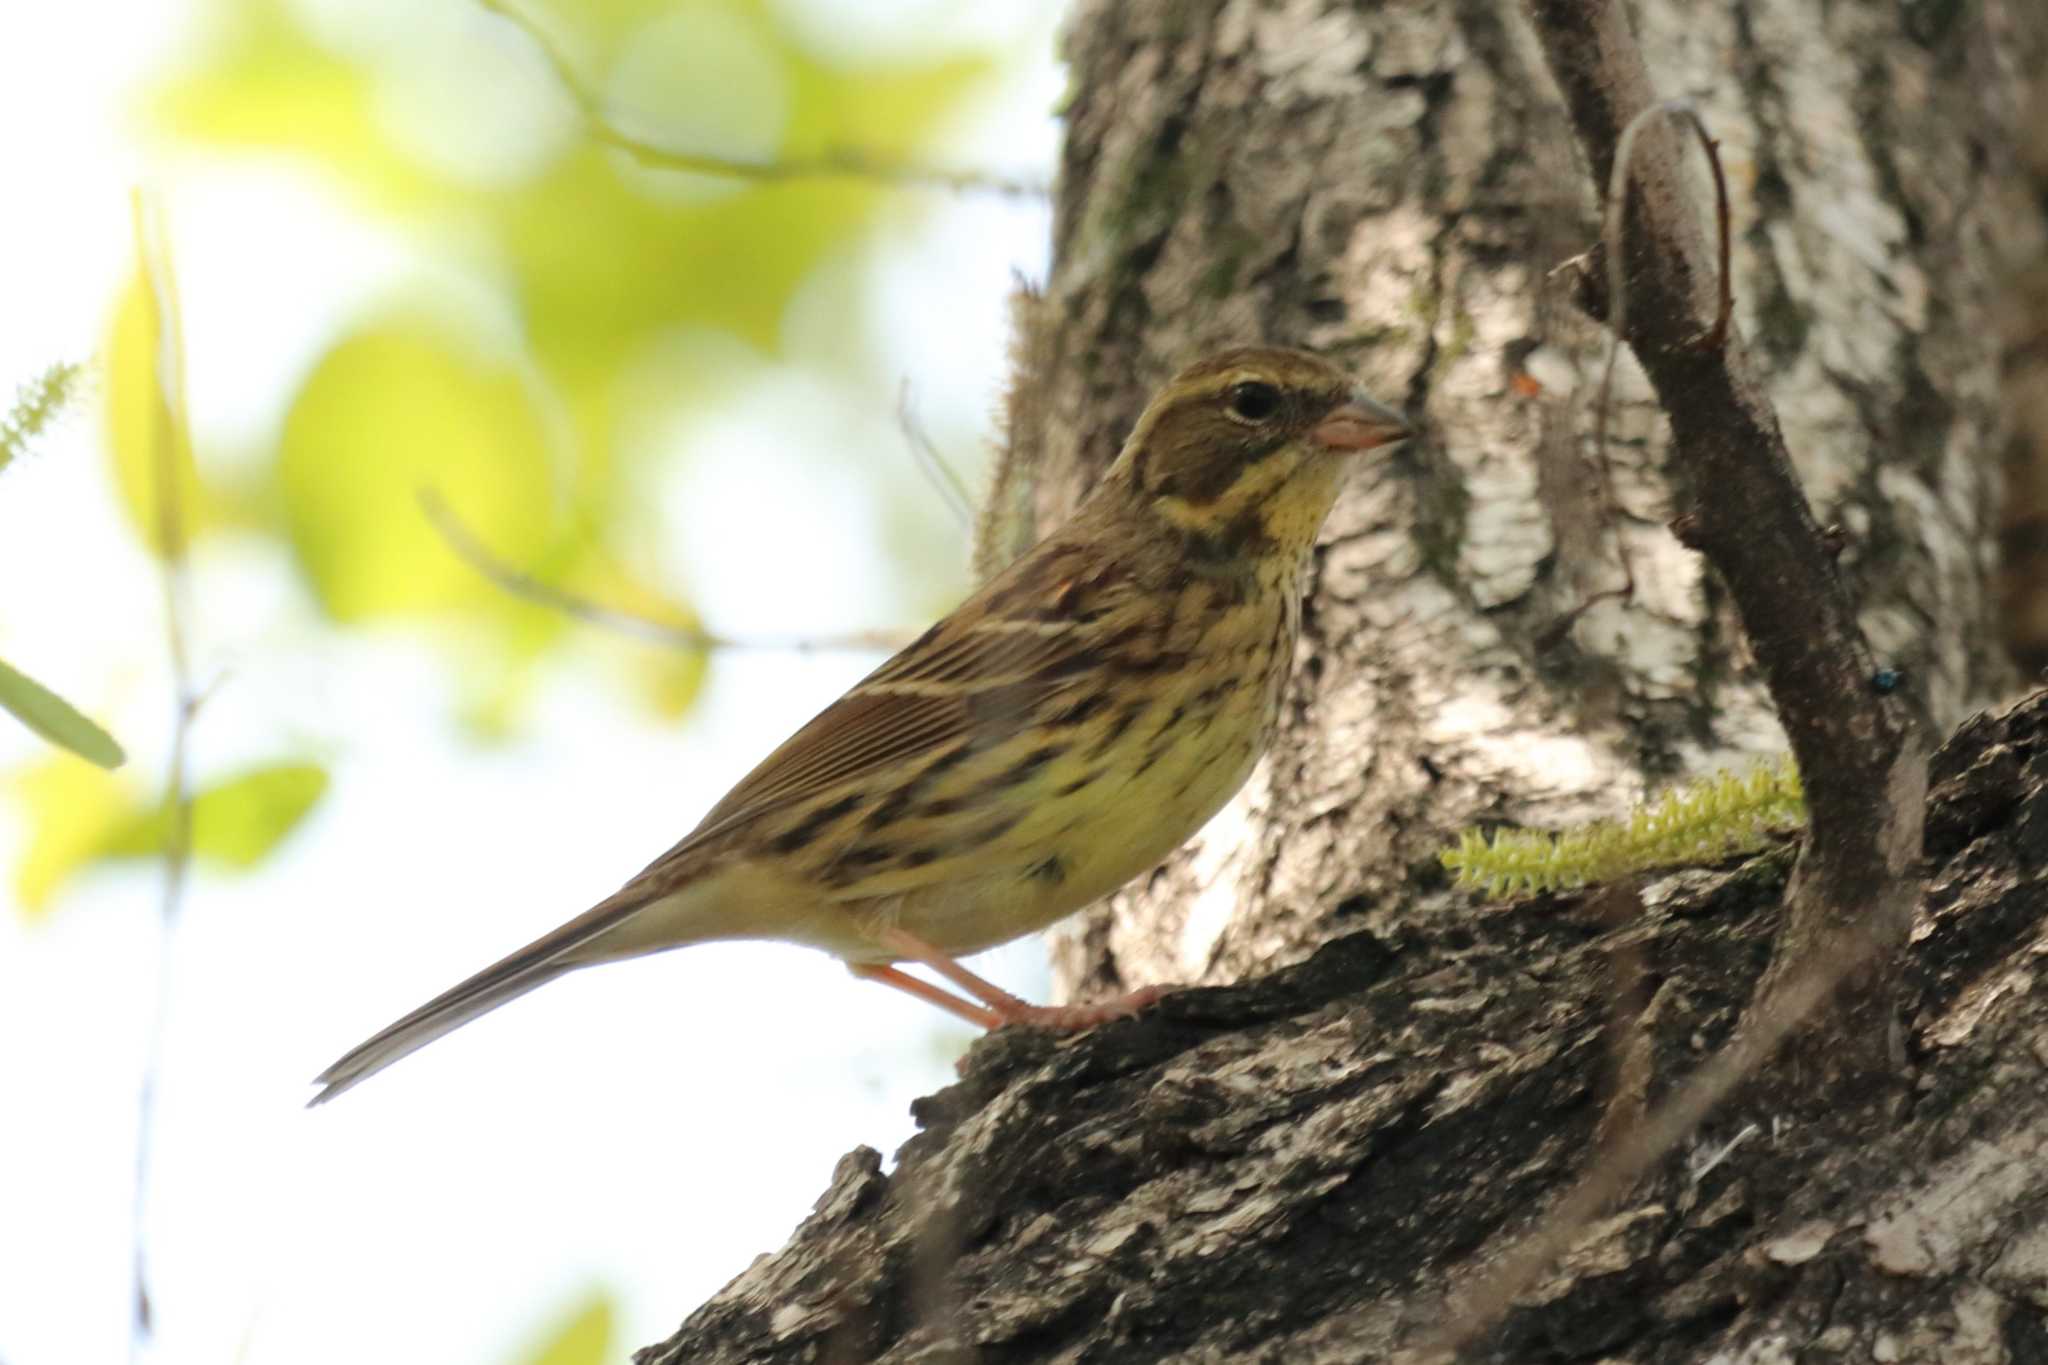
(170, 441)
(1742, 507)
(1860, 759)
(848, 164)
(678, 634)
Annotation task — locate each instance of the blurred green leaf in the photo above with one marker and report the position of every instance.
(395, 409)
(608, 267)
(56, 720)
(668, 678)
(72, 808)
(584, 1338)
(235, 823)
(140, 423)
(266, 85)
(601, 257)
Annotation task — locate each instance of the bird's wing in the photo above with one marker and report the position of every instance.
(975, 678)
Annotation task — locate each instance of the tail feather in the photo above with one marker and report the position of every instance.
(443, 1014)
(538, 963)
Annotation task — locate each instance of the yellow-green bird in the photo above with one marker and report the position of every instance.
(1060, 732)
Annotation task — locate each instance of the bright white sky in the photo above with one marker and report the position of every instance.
(646, 1129)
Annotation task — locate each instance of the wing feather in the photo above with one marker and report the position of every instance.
(979, 676)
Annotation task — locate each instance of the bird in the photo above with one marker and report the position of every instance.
(1061, 731)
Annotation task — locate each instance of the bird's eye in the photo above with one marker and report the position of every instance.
(1253, 401)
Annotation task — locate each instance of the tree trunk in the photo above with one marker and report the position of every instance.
(2023, 543)
(1395, 185)
(1311, 1166)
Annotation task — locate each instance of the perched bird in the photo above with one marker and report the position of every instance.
(1063, 730)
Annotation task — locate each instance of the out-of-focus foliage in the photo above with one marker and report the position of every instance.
(55, 719)
(36, 407)
(144, 434)
(597, 301)
(584, 1338)
(394, 408)
(79, 816)
(446, 118)
(235, 822)
(71, 809)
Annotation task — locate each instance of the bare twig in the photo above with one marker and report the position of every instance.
(1716, 336)
(169, 442)
(937, 472)
(846, 164)
(1617, 303)
(1862, 766)
(678, 634)
(1620, 906)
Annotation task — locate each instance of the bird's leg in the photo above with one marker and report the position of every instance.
(1002, 1007)
(927, 992)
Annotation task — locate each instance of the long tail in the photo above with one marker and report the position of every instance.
(538, 963)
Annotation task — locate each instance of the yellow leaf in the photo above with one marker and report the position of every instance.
(263, 83)
(235, 823)
(583, 1338)
(600, 263)
(670, 681)
(139, 424)
(879, 111)
(669, 676)
(398, 409)
(72, 808)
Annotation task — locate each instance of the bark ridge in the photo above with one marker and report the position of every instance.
(1300, 1168)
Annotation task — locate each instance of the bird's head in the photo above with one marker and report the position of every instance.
(1240, 455)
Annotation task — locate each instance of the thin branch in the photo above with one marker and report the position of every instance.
(1716, 336)
(1861, 762)
(1620, 906)
(844, 164)
(170, 440)
(677, 634)
(943, 478)
(1712, 339)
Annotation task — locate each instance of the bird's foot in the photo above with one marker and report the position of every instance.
(1073, 1018)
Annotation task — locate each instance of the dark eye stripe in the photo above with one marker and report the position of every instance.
(1208, 432)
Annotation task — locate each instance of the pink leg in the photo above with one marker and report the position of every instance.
(1002, 1007)
(927, 992)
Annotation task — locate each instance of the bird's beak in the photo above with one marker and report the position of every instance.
(1361, 423)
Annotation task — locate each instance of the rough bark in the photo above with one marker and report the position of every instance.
(2023, 541)
(1300, 1168)
(1661, 289)
(1394, 184)
(1303, 1167)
